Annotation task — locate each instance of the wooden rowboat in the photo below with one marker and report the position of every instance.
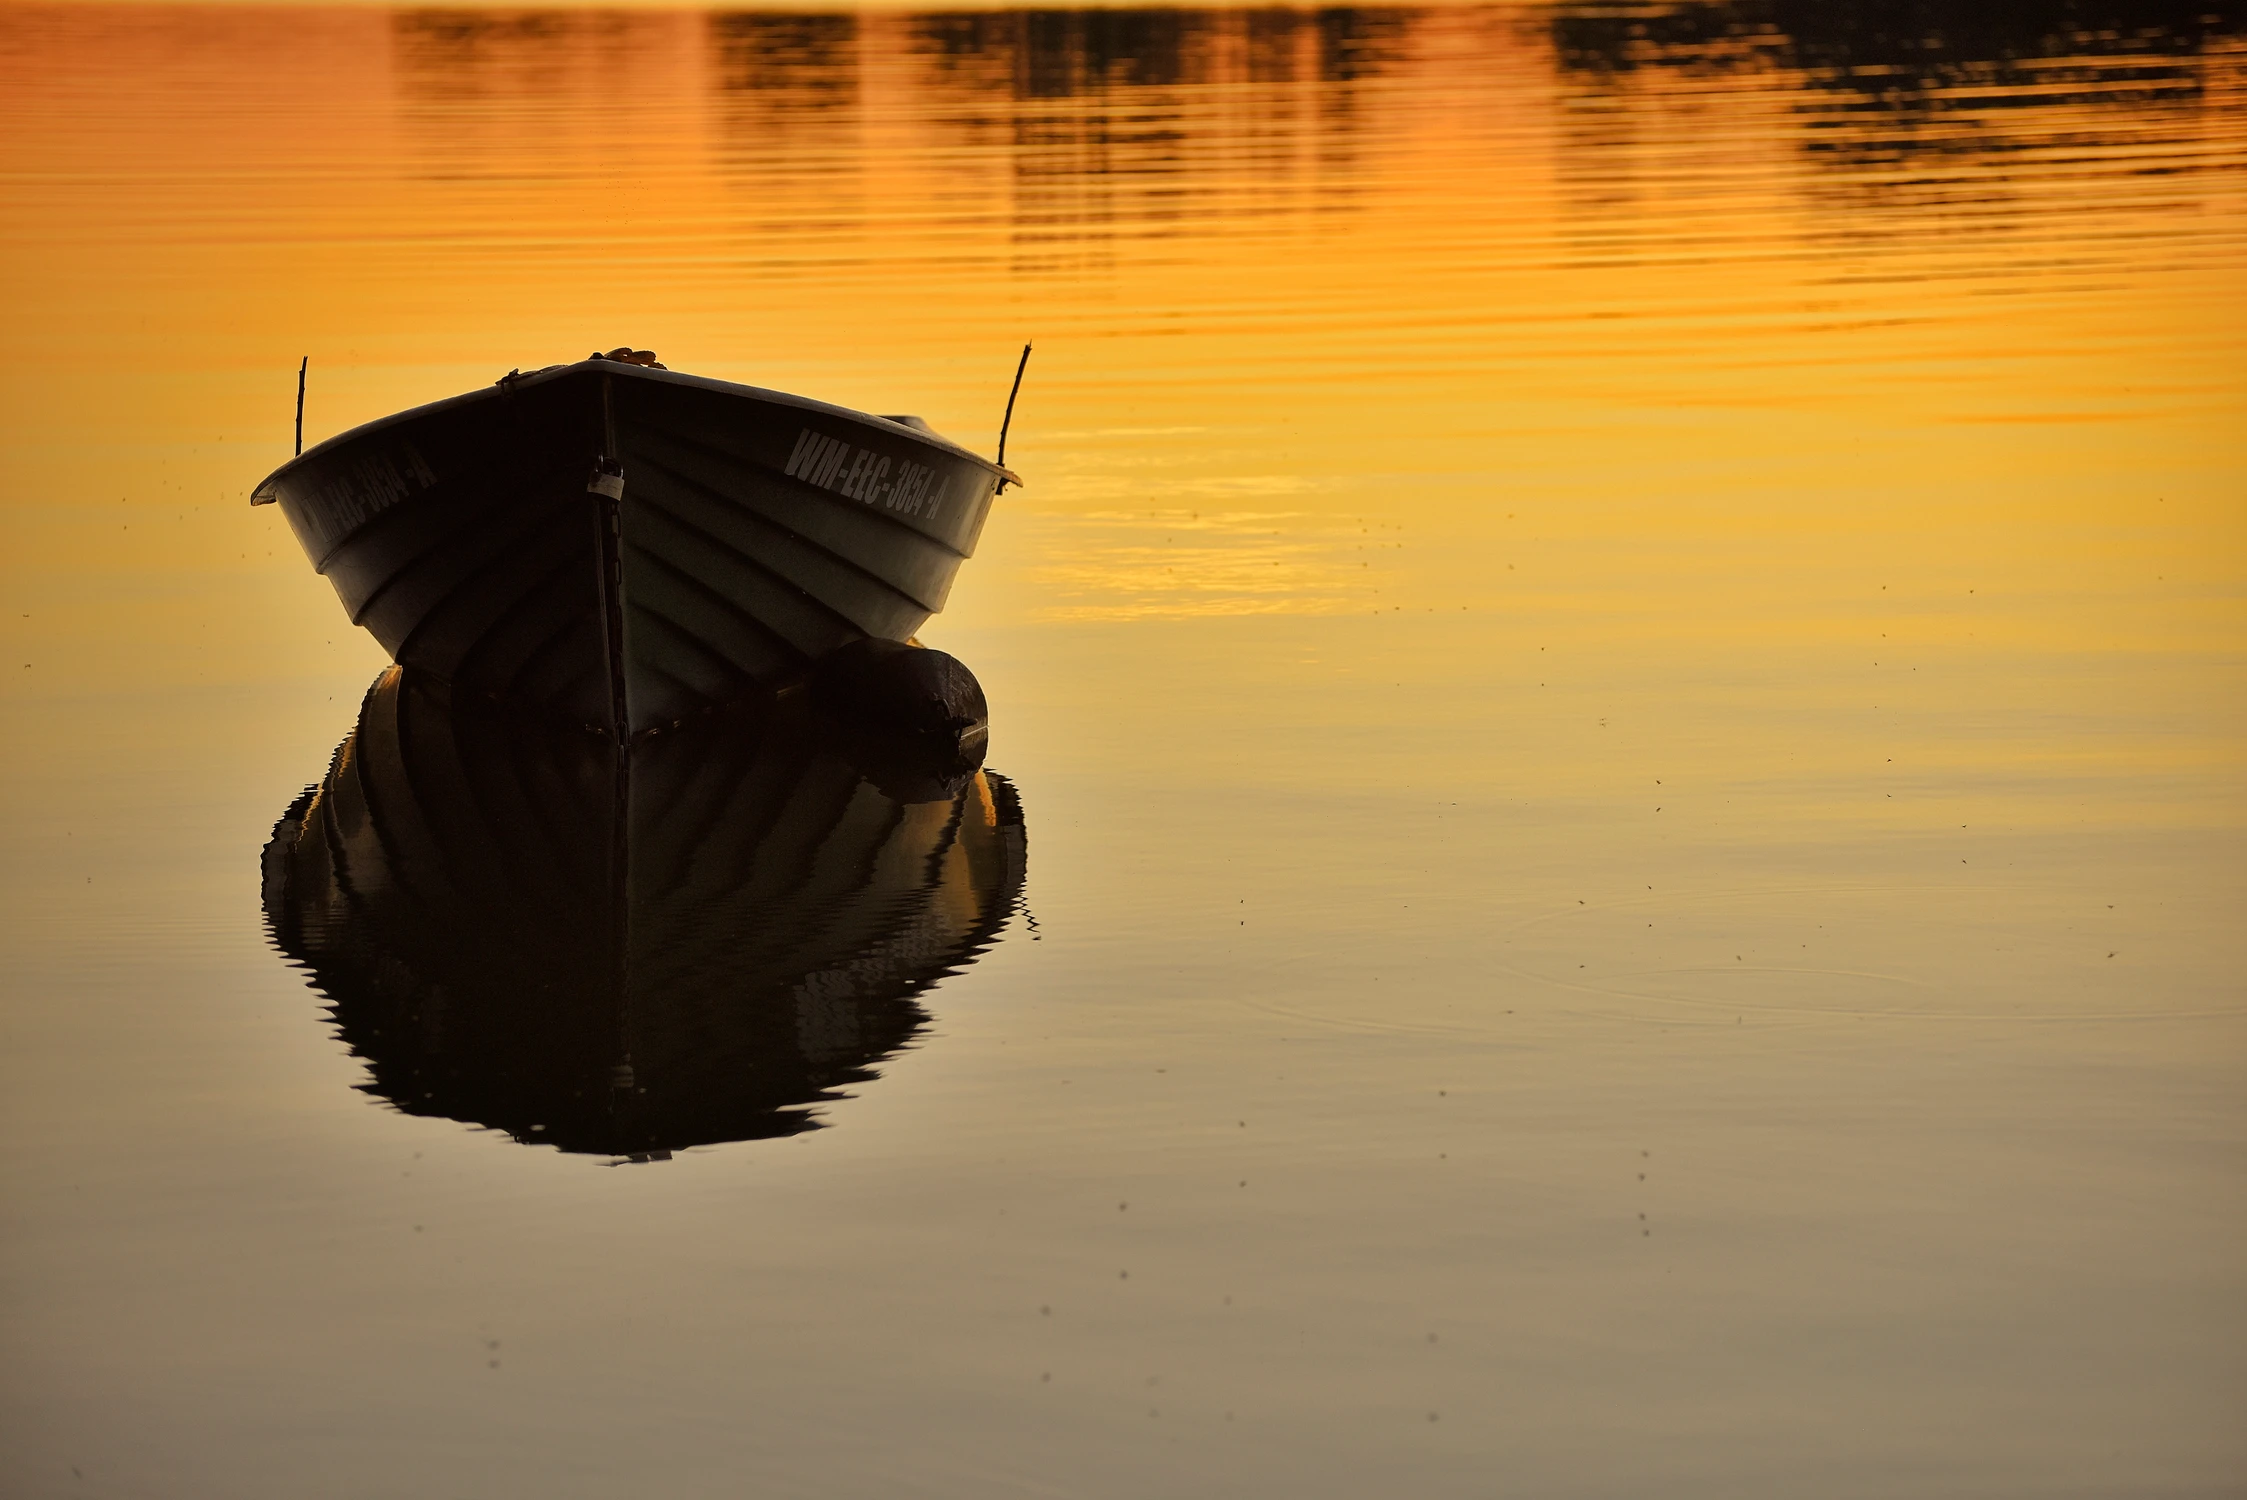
(628, 546)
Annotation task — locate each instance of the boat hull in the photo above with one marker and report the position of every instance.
(629, 547)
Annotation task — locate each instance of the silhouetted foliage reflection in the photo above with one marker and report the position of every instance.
(1812, 33)
(515, 934)
(1904, 54)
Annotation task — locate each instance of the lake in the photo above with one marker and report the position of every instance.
(1618, 753)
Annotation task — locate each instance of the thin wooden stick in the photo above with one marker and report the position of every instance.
(302, 365)
(1008, 420)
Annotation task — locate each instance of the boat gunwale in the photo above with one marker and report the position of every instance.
(263, 493)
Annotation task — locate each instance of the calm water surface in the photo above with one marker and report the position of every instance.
(1619, 689)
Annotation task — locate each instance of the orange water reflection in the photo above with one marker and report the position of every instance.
(1598, 584)
(1287, 270)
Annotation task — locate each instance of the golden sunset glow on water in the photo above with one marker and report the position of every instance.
(1621, 652)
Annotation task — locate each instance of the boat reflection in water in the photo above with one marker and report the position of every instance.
(516, 932)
